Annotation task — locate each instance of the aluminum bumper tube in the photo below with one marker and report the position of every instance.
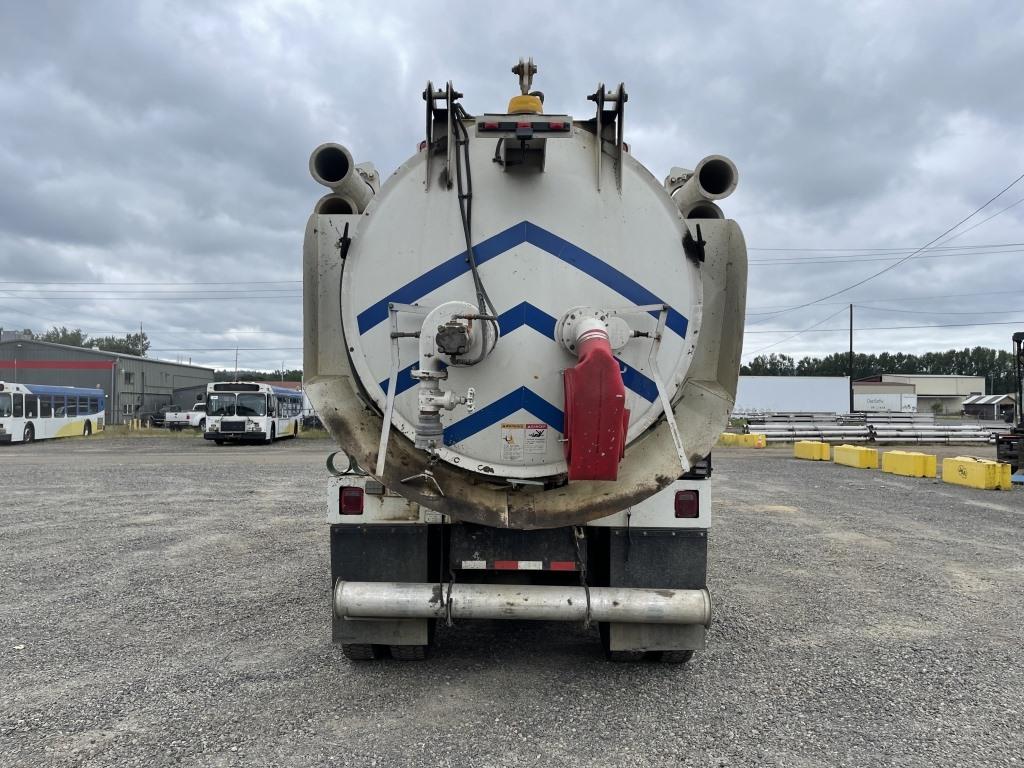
(395, 600)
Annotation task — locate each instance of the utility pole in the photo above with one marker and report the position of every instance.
(850, 362)
(236, 363)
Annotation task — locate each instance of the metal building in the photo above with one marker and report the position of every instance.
(775, 394)
(936, 393)
(132, 384)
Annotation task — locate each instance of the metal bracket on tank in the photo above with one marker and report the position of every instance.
(435, 115)
(652, 365)
(389, 406)
(600, 97)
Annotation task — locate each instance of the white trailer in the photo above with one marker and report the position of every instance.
(525, 346)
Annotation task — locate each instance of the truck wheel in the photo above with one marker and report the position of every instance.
(273, 434)
(29, 434)
(148, 423)
(410, 652)
(88, 429)
(626, 657)
(673, 657)
(359, 651)
(202, 425)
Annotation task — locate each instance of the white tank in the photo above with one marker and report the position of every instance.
(581, 355)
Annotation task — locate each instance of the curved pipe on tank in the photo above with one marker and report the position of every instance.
(714, 178)
(702, 209)
(333, 203)
(332, 165)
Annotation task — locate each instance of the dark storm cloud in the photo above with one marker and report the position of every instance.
(167, 142)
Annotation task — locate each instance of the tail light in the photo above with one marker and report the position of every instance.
(687, 504)
(350, 500)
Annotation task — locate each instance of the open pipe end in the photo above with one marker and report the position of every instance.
(330, 164)
(335, 204)
(717, 176)
(704, 209)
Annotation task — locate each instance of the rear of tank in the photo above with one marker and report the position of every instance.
(473, 526)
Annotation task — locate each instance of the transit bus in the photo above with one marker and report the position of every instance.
(31, 412)
(256, 412)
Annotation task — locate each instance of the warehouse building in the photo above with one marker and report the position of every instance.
(133, 385)
(884, 396)
(936, 393)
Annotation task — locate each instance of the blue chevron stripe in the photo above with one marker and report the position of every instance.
(518, 399)
(524, 232)
(540, 321)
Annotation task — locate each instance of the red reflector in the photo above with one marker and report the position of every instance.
(350, 501)
(490, 126)
(687, 504)
(506, 565)
(524, 125)
(557, 126)
(563, 565)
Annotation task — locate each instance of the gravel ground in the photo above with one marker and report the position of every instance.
(165, 602)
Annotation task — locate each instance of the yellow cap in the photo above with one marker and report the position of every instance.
(524, 105)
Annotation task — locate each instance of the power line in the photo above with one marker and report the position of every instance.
(184, 299)
(866, 259)
(894, 248)
(889, 327)
(939, 312)
(224, 282)
(782, 341)
(907, 257)
(896, 298)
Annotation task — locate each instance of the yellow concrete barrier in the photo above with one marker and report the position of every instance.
(856, 456)
(728, 438)
(909, 463)
(752, 441)
(976, 473)
(811, 450)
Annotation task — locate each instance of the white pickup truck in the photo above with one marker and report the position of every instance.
(193, 419)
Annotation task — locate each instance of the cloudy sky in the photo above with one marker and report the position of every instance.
(153, 156)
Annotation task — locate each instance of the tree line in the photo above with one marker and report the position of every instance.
(130, 344)
(996, 365)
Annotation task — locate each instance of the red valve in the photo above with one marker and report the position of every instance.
(596, 417)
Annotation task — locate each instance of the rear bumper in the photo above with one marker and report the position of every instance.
(395, 600)
(237, 437)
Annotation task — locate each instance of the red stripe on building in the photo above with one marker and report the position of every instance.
(70, 365)
(506, 565)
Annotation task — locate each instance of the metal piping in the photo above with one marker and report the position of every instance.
(333, 203)
(332, 165)
(714, 178)
(394, 600)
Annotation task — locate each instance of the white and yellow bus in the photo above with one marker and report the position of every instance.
(31, 412)
(242, 411)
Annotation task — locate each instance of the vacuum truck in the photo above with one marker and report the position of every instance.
(525, 347)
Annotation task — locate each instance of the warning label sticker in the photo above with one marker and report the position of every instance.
(523, 441)
(512, 439)
(535, 442)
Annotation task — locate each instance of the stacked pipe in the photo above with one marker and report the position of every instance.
(352, 186)
(693, 192)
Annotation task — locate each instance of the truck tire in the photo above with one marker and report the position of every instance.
(410, 652)
(625, 657)
(673, 657)
(202, 425)
(359, 651)
(29, 434)
(88, 429)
